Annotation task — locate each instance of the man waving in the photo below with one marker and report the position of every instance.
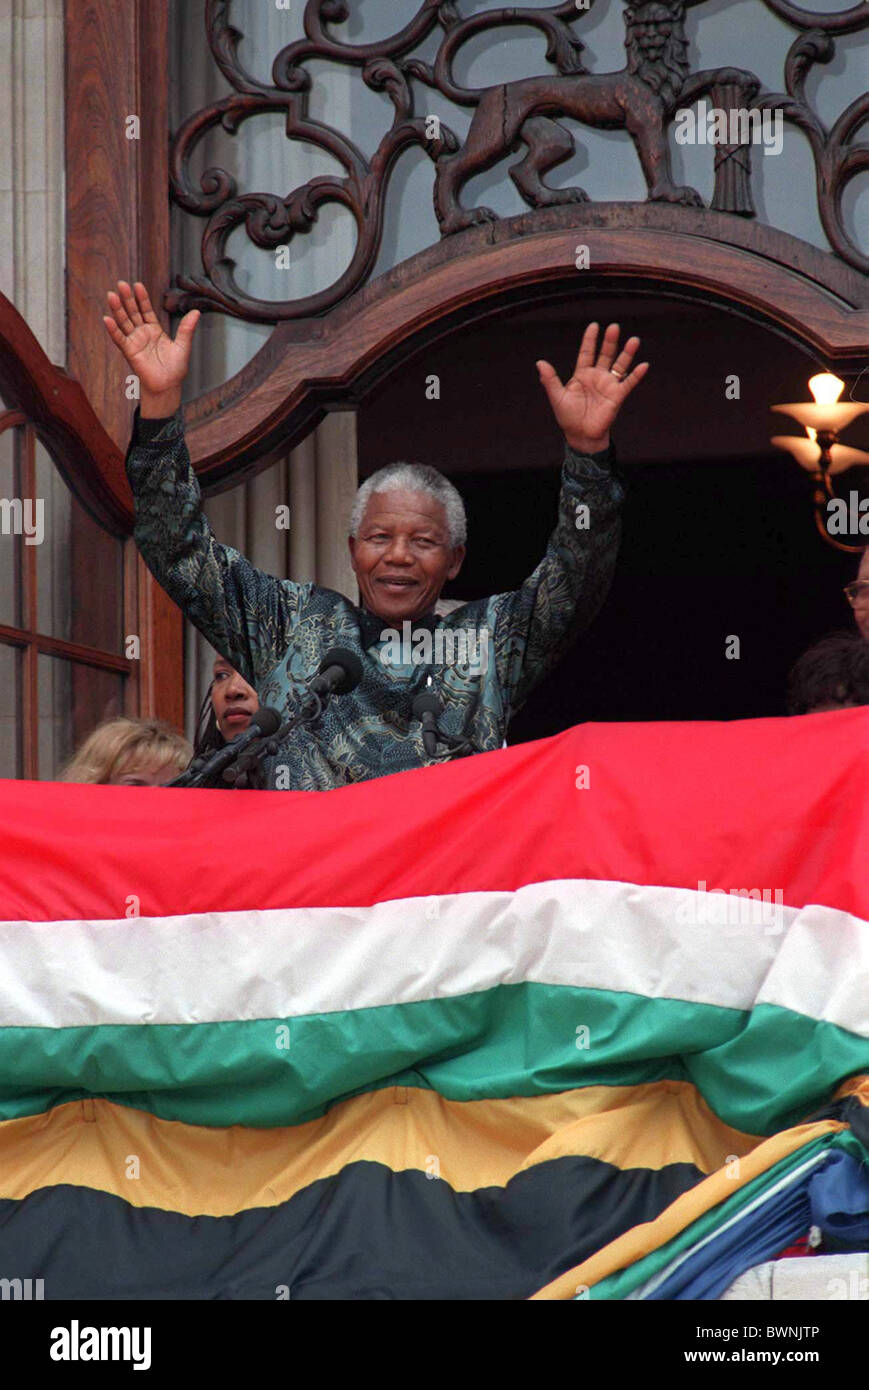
(407, 536)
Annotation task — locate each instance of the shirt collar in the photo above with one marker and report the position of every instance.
(371, 626)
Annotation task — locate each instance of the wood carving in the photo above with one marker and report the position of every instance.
(639, 98)
(521, 117)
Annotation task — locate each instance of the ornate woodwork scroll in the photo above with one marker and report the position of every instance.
(522, 116)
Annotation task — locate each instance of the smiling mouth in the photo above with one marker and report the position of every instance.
(398, 583)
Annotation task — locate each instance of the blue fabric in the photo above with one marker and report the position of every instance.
(834, 1197)
(839, 1199)
(759, 1235)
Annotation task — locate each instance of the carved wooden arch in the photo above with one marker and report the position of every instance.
(307, 368)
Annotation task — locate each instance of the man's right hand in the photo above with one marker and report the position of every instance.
(159, 363)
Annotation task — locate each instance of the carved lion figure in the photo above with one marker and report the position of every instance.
(639, 98)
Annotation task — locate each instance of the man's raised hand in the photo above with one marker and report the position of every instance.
(159, 363)
(586, 406)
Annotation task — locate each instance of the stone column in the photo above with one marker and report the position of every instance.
(32, 167)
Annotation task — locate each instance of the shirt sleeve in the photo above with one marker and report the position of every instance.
(248, 616)
(537, 622)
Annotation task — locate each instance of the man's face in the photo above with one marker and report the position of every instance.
(861, 607)
(402, 556)
(234, 701)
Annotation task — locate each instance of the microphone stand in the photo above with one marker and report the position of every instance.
(455, 748)
(428, 708)
(340, 671)
(239, 774)
(239, 768)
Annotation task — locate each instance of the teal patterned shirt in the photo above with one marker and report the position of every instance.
(275, 632)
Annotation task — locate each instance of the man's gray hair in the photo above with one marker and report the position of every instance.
(414, 477)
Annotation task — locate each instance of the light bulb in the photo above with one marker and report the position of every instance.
(826, 388)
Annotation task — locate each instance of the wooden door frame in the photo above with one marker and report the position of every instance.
(117, 228)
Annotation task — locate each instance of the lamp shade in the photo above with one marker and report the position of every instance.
(836, 415)
(808, 454)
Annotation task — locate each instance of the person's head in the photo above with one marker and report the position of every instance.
(858, 595)
(407, 538)
(226, 711)
(834, 674)
(130, 753)
(234, 701)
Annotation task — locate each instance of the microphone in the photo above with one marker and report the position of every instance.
(264, 723)
(340, 671)
(427, 707)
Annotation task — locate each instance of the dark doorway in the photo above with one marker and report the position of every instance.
(719, 539)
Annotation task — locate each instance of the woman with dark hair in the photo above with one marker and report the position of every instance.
(229, 705)
(833, 674)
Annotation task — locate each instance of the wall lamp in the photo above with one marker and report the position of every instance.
(820, 453)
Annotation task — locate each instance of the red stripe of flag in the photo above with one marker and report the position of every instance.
(767, 804)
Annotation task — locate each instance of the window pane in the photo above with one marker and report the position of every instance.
(10, 542)
(73, 700)
(80, 589)
(10, 712)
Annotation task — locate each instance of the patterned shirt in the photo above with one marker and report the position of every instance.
(275, 632)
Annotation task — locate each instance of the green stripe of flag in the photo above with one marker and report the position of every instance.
(760, 1071)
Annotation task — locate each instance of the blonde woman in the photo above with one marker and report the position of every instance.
(130, 753)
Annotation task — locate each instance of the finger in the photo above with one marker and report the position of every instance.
(130, 304)
(187, 326)
(609, 346)
(587, 347)
(622, 364)
(550, 381)
(145, 303)
(122, 318)
(634, 378)
(113, 330)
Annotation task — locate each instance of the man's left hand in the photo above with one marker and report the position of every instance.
(586, 406)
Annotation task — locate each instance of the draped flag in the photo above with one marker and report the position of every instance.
(586, 1017)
